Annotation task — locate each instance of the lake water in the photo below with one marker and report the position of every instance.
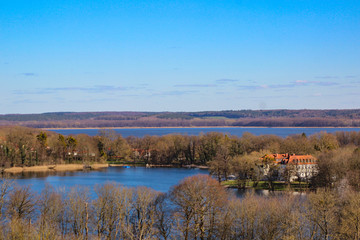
(160, 179)
(236, 131)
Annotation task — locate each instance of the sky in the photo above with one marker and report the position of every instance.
(113, 55)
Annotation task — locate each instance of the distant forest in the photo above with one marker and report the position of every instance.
(240, 118)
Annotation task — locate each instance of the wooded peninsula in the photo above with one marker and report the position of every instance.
(240, 118)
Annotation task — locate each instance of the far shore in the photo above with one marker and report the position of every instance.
(75, 128)
(56, 168)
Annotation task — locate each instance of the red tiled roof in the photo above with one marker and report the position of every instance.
(291, 159)
(302, 159)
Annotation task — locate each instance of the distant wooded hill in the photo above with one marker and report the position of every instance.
(244, 118)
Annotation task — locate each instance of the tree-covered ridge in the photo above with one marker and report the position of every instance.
(354, 113)
(68, 116)
(247, 118)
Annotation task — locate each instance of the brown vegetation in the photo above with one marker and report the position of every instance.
(61, 167)
(244, 118)
(196, 208)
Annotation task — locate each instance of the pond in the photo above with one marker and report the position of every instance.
(160, 179)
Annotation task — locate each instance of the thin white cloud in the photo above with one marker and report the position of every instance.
(195, 85)
(327, 77)
(172, 93)
(297, 83)
(226, 80)
(94, 89)
(29, 74)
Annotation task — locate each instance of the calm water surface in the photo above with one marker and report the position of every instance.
(160, 179)
(140, 132)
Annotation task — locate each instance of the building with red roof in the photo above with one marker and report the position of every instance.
(302, 166)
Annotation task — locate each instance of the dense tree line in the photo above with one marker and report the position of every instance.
(266, 118)
(197, 208)
(231, 114)
(113, 122)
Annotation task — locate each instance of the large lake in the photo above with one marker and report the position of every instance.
(160, 179)
(237, 131)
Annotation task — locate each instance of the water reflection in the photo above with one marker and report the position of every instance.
(241, 193)
(24, 175)
(160, 179)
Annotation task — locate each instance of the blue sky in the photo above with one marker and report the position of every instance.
(112, 55)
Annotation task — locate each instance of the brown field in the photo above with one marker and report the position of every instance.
(61, 167)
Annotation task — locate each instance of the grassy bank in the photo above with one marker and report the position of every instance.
(122, 162)
(278, 185)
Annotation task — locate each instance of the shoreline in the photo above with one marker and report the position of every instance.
(157, 166)
(80, 167)
(105, 128)
(55, 168)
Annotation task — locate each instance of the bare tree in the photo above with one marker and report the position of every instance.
(106, 212)
(78, 200)
(124, 199)
(322, 214)
(142, 218)
(21, 203)
(244, 217)
(246, 169)
(200, 200)
(163, 217)
(350, 216)
(5, 187)
(52, 221)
